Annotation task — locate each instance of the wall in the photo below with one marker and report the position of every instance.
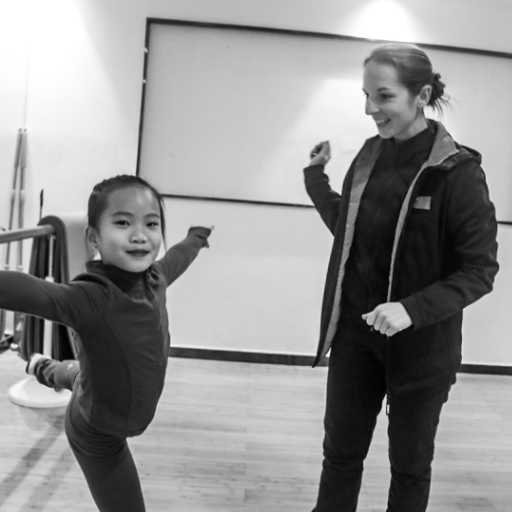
(83, 89)
(13, 55)
(221, 104)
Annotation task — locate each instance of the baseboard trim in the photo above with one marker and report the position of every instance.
(241, 356)
(487, 369)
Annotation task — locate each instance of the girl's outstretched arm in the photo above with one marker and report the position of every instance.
(32, 295)
(178, 257)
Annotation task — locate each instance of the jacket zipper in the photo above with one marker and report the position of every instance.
(404, 211)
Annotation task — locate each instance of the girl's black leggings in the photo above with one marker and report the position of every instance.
(105, 460)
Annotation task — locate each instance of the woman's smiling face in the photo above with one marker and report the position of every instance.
(396, 112)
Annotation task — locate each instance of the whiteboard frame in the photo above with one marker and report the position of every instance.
(151, 22)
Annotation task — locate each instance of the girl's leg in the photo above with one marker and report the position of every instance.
(412, 428)
(355, 390)
(53, 373)
(107, 465)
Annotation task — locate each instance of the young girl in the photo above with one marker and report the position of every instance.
(118, 310)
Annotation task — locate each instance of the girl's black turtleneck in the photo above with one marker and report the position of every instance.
(121, 319)
(131, 283)
(367, 271)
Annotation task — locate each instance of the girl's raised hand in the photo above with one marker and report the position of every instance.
(201, 232)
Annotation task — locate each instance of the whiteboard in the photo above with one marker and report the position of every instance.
(232, 113)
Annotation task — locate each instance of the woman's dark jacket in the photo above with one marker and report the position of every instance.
(443, 256)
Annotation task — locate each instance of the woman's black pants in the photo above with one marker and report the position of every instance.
(356, 387)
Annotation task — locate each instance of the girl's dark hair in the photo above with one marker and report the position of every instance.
(98, 200)
(414, 70)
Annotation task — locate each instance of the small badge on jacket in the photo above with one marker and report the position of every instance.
(422, 203)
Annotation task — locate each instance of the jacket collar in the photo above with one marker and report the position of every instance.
(445, 153)
(444, 147)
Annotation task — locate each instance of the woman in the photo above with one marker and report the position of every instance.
(414, 243)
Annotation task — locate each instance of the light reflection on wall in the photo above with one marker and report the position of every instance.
(384, 19)
(58, 45)
(335, 103)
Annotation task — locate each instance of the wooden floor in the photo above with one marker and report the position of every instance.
(247, 437)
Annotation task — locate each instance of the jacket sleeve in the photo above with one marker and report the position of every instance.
(32, 295)
(179, 257)
(325, 199)
(472, 229)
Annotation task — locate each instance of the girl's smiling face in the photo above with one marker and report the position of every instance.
(396, 112)
(129, 231)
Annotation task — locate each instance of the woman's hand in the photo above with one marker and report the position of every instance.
(388, 318)
(321, 153)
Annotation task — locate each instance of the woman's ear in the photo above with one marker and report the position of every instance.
(424, 96)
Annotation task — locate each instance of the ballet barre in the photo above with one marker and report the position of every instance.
(17, 235)
(28, 392)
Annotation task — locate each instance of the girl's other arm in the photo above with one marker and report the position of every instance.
(32, 295)
(178, 258)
